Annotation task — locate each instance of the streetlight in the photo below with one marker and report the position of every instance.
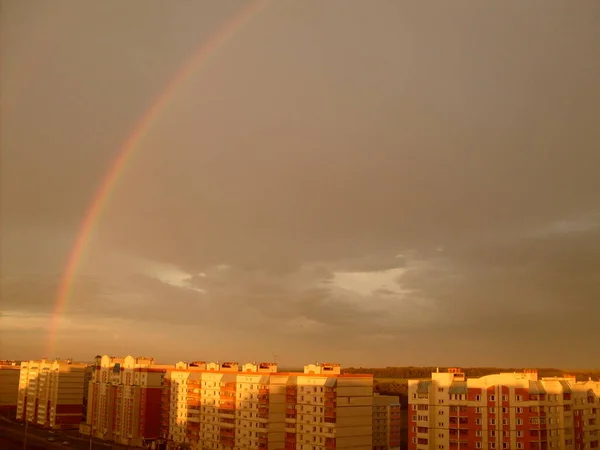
(25, 439)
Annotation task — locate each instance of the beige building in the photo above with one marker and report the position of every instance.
(386, 422)
(124, 400)
(50, 393)
(503, 411)
(222, 406)
(9, 387)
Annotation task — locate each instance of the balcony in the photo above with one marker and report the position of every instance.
(292, 399)
(227, 432)
(330, 443)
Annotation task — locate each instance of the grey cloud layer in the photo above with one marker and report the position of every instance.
(456, 143)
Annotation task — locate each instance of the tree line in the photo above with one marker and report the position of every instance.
(411, 372)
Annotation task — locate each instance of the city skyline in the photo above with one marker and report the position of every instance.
(372, 185)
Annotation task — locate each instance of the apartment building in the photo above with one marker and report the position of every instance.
(9, 387)
(225, 406)
(386, 422)
(124, 400)
(50, 393)
(503, 411)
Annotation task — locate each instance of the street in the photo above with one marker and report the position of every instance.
(12, 435)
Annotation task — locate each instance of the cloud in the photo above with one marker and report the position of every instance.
(420, 192)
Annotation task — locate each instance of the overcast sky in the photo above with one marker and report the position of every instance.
(365, 182)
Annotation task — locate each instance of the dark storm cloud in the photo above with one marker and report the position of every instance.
(452, 146)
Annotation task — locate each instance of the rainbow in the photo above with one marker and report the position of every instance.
(116, 169)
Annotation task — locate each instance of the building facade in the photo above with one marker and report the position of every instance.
(9, 387)
(225, 406)
(514, 411)
(124, 400)
(386, 422)
(50, 393)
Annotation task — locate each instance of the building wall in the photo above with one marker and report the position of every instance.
(9, 388)
(386, 422)
(503, 411)
(50, 393)
(220, 407)
(124, 398)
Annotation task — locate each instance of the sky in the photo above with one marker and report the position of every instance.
(373, 183)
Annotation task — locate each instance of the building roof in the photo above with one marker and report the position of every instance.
(536, 387)
(330, 382)
(566, 386)
(458, 387)
(423, 386)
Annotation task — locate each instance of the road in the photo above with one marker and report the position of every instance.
(12, 434)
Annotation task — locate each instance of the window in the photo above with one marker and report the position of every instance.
(478, 410)
(414, 407)
(505, 398)
(478, 398)
(492, 421)
(492, 445)
(504, 421)
(519, 421)
(492, 398)
(440, 389)
(520, 446)
(519, 410)
(477, 444)
(519, 398)
(477, 421)
(478, 433)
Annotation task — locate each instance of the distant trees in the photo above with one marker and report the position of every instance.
(393, 380)
(410, 372)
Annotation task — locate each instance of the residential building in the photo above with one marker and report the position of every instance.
(9, 387)
(219, 406)
(50, 393)
(386, 422)
(503, 411)
(124, 400)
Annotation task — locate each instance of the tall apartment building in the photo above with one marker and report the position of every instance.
(124, 400)
(386, 422)
(9, 387)
(50, 393)
(219, 406)
(503, 411)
